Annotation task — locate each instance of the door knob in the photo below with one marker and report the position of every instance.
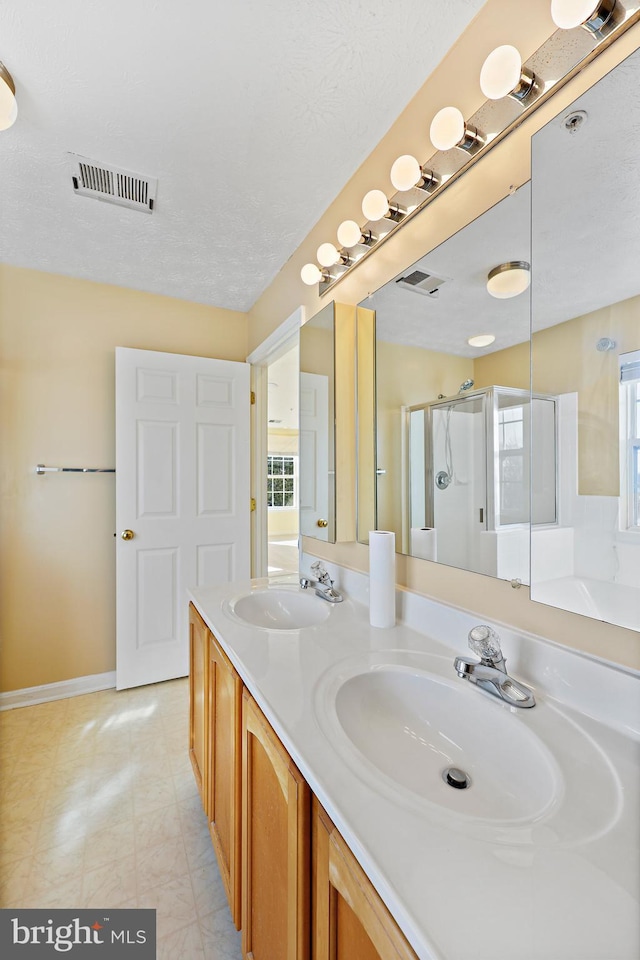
(127, 534)
(323, 523)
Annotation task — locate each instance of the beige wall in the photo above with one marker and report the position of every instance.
(504, 368)
(57, 339)
(282, 523)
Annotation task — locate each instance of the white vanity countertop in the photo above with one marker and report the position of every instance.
(557, 889)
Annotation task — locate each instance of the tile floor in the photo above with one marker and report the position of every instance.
(283, 557)
(99, 808)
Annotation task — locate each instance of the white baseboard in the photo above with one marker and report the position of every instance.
(57, 691)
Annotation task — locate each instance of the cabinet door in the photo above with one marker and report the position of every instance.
(275, 846)
(224, 769)
(198, 655)
(349, 918)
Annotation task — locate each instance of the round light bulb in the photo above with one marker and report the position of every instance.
(568, 14)
(501, 72)
(349, 233)
(8, 106)
(375, 205)
(405, 172)
(327, 255)
(447, 128)
(509, 279)
(483, 340)
(310, 274)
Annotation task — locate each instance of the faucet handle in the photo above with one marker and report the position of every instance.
(317, 567)
(485, 642)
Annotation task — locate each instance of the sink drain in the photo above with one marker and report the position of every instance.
(456, 778)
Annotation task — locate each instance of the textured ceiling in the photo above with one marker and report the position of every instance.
(462, 307)
(252, 116)
(578, 225)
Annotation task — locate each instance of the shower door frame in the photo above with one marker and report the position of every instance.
(491, 448)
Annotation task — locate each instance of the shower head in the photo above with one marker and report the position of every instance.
(465, 386)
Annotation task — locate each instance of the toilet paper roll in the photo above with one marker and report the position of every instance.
(382, 578)
(423, 543)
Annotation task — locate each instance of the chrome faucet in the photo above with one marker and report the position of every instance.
(323, 583)
(490, 673)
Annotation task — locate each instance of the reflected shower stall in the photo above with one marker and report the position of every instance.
(468, 475)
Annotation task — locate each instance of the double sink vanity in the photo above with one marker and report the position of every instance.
(322, 748)
(376, 794)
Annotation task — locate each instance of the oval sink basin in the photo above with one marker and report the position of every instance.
(412, 727)
(401, 720)
(278, 609)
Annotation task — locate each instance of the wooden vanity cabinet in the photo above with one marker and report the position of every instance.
(276, 845)
(294, 887)
(198, 656)
(349, 918)
(224, 768)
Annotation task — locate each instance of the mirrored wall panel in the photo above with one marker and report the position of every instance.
(586, 347)
(317, 427)
(454, 410)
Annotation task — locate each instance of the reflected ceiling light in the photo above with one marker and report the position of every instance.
(350, 234)
(568, 14)
(8, 103)
(509, 279)
(406, 173)
(483, 340)
(310, 274)
(503, 75)
(448, 129)
(327, 255)
(375, 205)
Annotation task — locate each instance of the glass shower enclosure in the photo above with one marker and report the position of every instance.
(469, 478)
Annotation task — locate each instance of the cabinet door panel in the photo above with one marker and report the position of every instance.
(198, 637)
(275, 845)
(225, 728)
(349, 918)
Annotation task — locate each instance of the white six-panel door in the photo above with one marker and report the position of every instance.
(182, 490)
(314, 454)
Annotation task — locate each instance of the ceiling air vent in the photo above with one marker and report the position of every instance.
(421, 282)
(112, 184)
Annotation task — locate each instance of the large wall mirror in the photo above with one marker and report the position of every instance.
(586, 346)
(317, 427)
(454, 412)
(327, 469)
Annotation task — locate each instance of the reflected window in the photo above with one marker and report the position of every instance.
(282, 481)
(513, 484)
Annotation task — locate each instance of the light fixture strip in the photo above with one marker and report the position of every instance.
(531, 103)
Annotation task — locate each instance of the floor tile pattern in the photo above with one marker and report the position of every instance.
(99, 808)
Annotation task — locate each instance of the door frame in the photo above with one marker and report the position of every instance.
(271, 349)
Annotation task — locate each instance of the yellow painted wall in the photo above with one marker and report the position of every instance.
(57, 339)
(504, 368)
(282, 522)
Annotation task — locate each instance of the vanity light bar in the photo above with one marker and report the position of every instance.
(503, 76)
